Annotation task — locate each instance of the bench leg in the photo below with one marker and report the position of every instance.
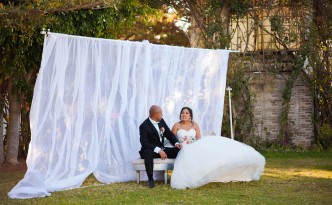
(165, 176)
(137, 176)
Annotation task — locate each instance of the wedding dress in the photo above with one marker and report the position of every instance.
(214, 159)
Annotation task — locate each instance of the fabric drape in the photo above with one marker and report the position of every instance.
(92, 94)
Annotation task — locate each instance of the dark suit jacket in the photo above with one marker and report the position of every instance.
(149, 136)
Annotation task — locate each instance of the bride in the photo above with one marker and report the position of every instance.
(211, 158)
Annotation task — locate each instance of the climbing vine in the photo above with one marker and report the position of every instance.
(242, 99)
(285, 134)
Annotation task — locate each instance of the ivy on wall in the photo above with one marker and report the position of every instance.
(285, 134)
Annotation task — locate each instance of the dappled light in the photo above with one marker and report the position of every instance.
(298, 172)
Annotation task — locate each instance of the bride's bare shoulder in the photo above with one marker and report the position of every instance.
(175, 127)
(177, 124)
(195, 125)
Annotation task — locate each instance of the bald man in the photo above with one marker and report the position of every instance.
(152, 133)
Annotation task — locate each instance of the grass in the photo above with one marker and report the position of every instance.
(289, 178)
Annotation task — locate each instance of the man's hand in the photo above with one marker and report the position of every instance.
(178, 145)
(162, 154)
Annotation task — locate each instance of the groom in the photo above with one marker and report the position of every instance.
(152, 133)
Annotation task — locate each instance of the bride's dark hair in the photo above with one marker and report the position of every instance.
(190, 112)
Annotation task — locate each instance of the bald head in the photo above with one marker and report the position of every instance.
(154, 109)
(156, 113)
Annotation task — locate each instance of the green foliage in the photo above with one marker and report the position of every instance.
(319, 48)
(278, 144)
(285, 135)
(157, 4)
(242, 98)
(277, 23)
(239, 8)
(21, 55)
(20, 63)
(106, 23)
(280, 31)
(325, 136)
(235, 7)
(214, 29)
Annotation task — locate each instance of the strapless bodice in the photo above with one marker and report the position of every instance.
(186, 136)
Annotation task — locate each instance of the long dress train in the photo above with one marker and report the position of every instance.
(214, 159)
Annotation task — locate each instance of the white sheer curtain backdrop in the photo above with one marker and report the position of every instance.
(92, 94)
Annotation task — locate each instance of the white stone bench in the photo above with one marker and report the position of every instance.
(159, 165)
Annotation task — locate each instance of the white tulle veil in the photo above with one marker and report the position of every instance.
(92, 94)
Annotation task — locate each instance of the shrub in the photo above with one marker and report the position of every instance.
(325, 136)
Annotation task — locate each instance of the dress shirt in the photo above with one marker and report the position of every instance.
(155, 124)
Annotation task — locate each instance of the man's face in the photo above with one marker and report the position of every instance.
(159, 115)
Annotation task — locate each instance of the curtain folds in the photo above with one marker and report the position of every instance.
(92, 94)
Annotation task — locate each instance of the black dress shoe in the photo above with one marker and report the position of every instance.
(151, 183)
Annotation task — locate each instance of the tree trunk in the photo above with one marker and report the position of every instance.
(195, 38)
(13, 126)
(225, 20)
(3, 91)
(2, 153)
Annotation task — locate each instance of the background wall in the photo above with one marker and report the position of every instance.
(267, 106)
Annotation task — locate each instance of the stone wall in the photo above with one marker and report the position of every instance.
(267, 88)
(301, 114)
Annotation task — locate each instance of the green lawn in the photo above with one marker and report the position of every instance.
(289, 178)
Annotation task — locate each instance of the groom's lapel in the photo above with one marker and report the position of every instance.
(153, 128)
(163, 135)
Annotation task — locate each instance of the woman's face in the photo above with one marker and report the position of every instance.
(185, 115)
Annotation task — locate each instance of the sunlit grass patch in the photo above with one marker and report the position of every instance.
(298, 172)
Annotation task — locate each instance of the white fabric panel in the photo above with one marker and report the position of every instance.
(92, 94)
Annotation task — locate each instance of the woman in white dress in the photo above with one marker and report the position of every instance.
(211, 158)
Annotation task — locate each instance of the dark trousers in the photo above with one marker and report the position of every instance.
(148, 156)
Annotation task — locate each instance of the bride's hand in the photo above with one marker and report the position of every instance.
(178, 145)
